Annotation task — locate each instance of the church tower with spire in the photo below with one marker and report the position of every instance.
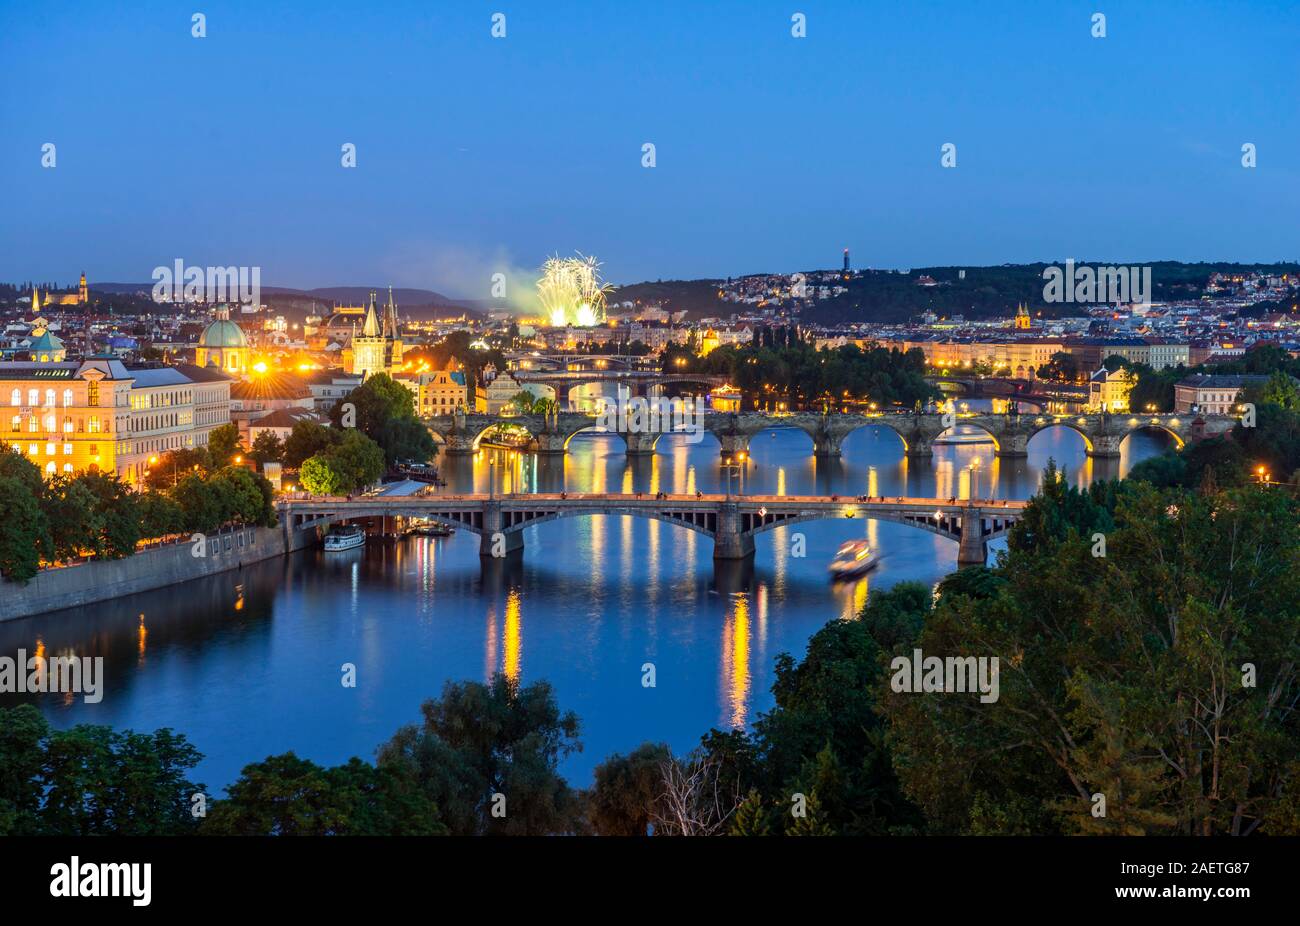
(370, 351)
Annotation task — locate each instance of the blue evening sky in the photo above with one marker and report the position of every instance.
(773, 153)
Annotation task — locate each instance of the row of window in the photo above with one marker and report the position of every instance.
(141, 400)
(51, 423)
(34, 397)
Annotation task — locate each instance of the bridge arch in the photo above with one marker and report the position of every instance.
(1160, 427)
(1041, 424)
(952, 432)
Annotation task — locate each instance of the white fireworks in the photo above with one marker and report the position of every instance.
(571, 292)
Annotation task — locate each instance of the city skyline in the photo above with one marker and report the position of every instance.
(772, 153)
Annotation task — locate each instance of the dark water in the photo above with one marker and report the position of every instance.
(247, 664)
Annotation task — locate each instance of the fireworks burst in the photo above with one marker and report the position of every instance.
(571, 292)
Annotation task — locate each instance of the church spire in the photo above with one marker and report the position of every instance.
(371, 327)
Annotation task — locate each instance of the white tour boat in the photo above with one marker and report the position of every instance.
(345, 538)
(852, 559)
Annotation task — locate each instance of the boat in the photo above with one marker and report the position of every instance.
(345, 538)
(852, 559)
(434, 530)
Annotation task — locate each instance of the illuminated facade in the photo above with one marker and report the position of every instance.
(377, 348)
(99, 416)
(224, 345)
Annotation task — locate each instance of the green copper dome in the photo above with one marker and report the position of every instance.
(222, 333)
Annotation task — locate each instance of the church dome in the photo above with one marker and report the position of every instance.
(222, 333)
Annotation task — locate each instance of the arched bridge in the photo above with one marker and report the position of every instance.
(731, 521)
(1102, 433)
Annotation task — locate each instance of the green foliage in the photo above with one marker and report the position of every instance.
(626, 788)
(803, 376)
(288, 796)
(385, 412)
(355, 461)
(1120, 675)
(267, 448)
(76, 524)
(174, 464)
(479, 740)
(116, 515)
(223, 445)
(92, 780)
(307, 439)
(24, 531)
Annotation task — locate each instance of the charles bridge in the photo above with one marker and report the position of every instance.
(1102, 433)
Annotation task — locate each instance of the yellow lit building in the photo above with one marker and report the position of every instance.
(99, 416)
(1109, 391)
(66, 417)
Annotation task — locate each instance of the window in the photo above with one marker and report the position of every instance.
(49, 397)
(92, 394)
(67, 467)
(16, 397)
(67, 398)
(67, 450)
(94, 425)
(49, 469)
(67, 424)
(51, 422)
(33, 424)
(33, 397)
(49, 450)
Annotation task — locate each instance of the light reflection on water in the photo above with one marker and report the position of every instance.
(248, 663)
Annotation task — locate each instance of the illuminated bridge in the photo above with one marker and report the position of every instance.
(1102, 434)
(732, 521)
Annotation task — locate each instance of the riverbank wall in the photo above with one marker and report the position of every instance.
(156, 567)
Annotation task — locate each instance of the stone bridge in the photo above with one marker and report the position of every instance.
(730, 521)
(637, 383)
(1102, 433)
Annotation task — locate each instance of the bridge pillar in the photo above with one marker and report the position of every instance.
(458, 445)
(730, 542)
(827, 445)
(1012, 444)
(1104, 446)
(494, 541)
(553, 444)
(733, 444)
(919, 446)
(972, 550)
(638, 443)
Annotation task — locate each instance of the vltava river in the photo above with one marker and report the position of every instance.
(247, 664)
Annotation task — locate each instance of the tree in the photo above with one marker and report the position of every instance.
(24, 531)
(174, 464)
(1148, 675)
(99, 781)
(267, 448)
(307, 439)
(117, 515)
(321, 476)
(479, 741)
(621, 802)
(76, 525)
(223, 445)
(407, 438)
(22, 733)
(287, 796)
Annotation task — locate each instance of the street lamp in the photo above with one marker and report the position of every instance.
(1262, 472)
(974, 477)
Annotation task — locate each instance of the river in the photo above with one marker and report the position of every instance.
(248, 663)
